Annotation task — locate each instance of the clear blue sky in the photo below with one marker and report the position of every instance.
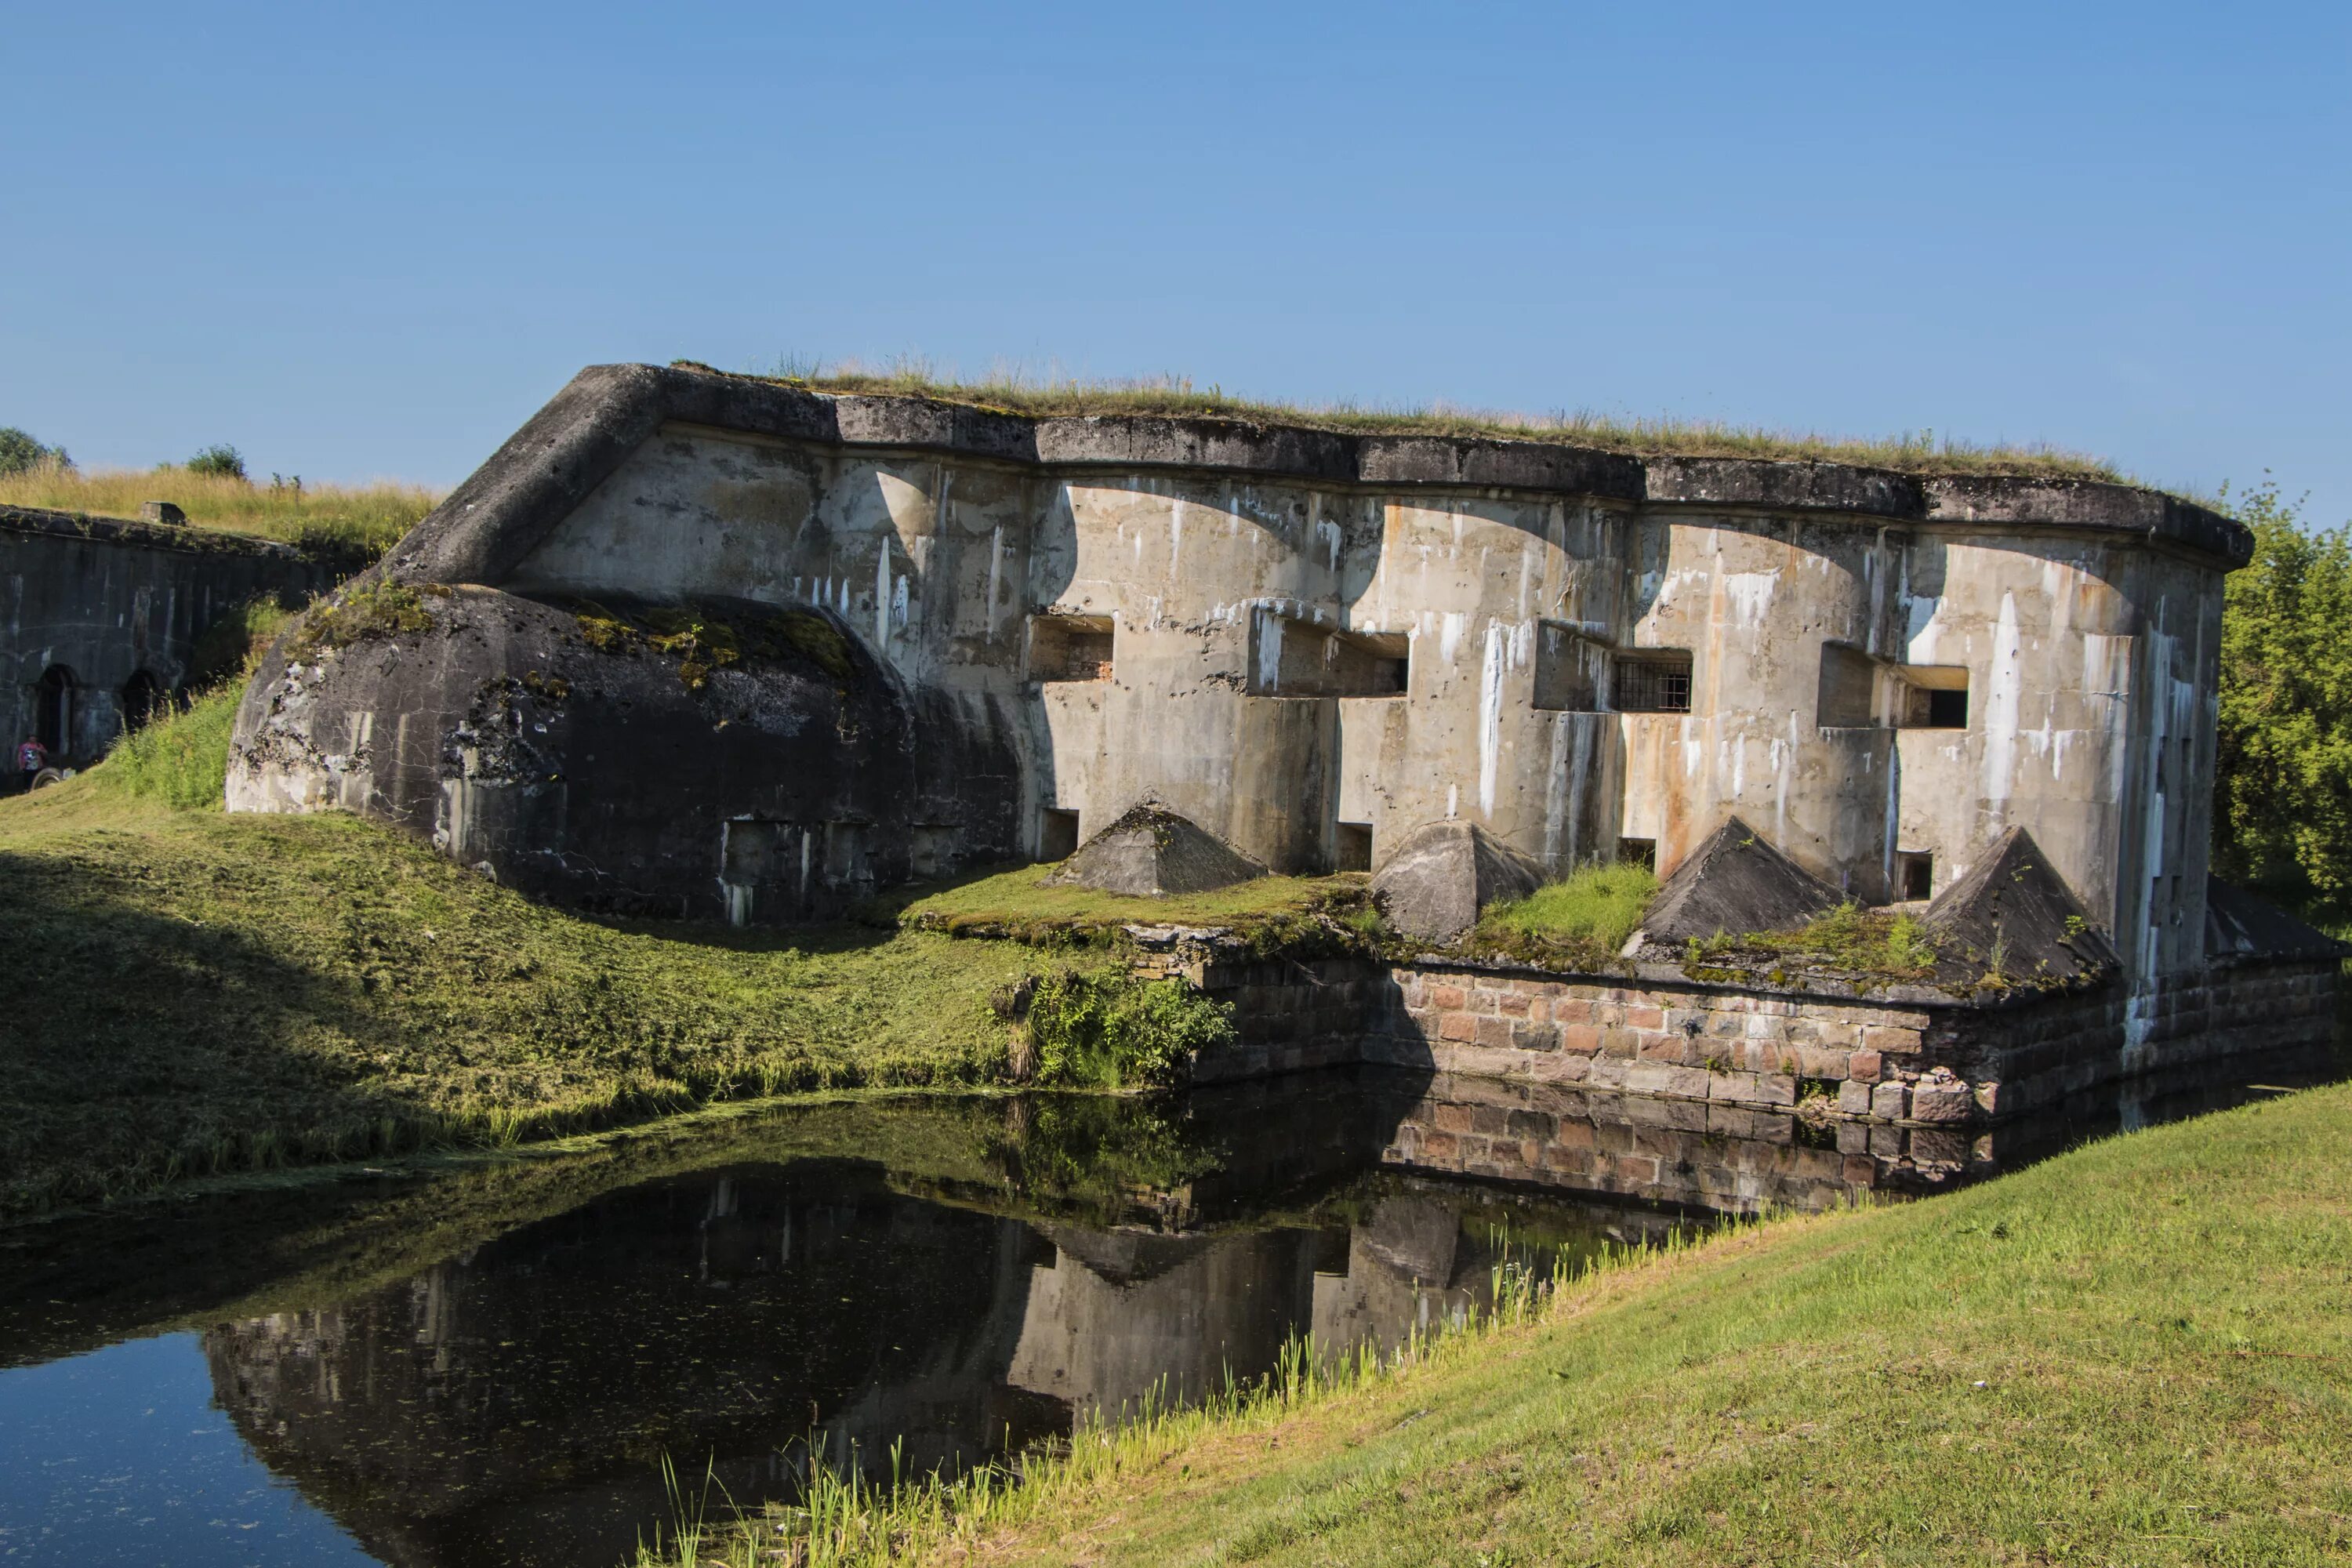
(360, 241)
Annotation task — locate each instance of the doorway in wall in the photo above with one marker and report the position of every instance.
(143, 698)
(1351, 850)
(1057, 834)
(53, 711)
(1914, 876)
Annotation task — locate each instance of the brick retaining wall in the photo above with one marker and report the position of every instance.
(1919, 1058)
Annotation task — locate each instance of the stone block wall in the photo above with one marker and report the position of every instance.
(1917, 1059)
(1718, 1157)
(1292, 1015)
(104, 602)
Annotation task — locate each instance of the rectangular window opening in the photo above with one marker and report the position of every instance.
(1071, 648)
(1057, 834)
(1934, 696)
(1291, 657)
(1351, 849)
(1642, 852)
(1651, 682)
(1914, 876)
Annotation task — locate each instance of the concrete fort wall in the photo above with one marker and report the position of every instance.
(1915, 1059)
(99, 617)
(1312, 643)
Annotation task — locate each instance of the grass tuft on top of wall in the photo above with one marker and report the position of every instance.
(1583, 920)
(350, 523)
(1013, 390)
(1019, 903)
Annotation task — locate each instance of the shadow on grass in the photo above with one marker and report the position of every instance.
(139, 1045)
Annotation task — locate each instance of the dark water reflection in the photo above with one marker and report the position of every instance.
(486, 1365)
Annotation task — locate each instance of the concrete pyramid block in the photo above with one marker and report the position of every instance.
(1151, 852)
(2011, 907)
(1735, 882)
(1434, 884)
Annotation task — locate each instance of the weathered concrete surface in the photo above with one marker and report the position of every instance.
(110, 612)
(785, 786)
(1150, 852)
(1735, 882)
(1435, 883)
(1469, 613)
(2014, 917)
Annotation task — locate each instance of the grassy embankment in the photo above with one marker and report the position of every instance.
(353, 523)
(1014, 391)
(195, 994)
(2140, 1352)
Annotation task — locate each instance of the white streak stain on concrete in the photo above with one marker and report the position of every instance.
(1490, 716)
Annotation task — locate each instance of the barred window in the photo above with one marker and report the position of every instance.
(1651, 683)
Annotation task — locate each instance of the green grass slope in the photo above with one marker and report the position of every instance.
(2139, 1353)
(191, 993)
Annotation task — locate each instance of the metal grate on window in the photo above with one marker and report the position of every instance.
(1653, 685)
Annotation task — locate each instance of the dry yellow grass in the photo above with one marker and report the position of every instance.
(364, 518)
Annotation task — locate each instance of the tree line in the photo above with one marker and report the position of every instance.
(2283, 794)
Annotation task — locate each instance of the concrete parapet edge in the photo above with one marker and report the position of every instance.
(585, 433)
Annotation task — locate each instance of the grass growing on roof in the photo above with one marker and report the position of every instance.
(1019, 899)
(355, 521)
(2139, 1351)
(1878, 944)
(1014, 391)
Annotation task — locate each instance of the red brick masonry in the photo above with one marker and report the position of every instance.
(1916, 1058)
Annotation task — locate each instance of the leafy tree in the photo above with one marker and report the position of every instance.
(19, 451)
(227, 462)
(2283, 813)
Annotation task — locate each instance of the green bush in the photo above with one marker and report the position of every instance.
(20, 453)
(2283, 806)
(179, 759)
(219, 461)
(1108, 1031)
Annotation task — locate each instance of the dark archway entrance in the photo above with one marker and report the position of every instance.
(53, 710)
(143, 698)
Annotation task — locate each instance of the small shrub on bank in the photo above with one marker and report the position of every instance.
(1112, 1030)
(220, 462)
(178, 759)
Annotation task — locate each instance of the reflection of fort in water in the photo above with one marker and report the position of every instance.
(513, 1403)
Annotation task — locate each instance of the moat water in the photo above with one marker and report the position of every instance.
(488, 1364)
